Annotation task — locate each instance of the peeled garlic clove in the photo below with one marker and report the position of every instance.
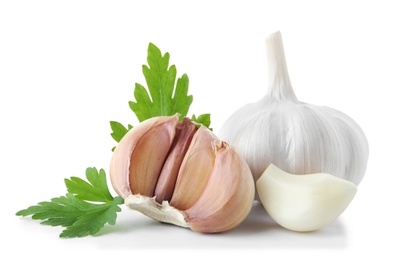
(192, 179)
(298, 137)
(303, 202)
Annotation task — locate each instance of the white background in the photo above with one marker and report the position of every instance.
(69, 67)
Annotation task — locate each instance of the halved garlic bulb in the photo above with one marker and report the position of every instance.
(181, 173)
(297, 137)
(303, 202)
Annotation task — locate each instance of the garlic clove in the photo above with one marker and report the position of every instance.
(303, 202)
(142, 153)
(185, 131)
(195, 171)
(228, 196)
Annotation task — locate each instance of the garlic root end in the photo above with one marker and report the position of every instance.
(160, 212)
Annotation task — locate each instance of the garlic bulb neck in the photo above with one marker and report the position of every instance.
(279, 82)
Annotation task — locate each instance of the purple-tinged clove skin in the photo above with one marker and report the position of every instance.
(181, 173)
(196, 169)
(185, 131)
(141, 153)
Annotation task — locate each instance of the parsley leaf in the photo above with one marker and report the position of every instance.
(204, 119)
(163, 95)
(96, 190)
(160, 80)
(118, 131)
(72, 211)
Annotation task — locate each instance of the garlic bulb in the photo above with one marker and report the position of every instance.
(181, 173)
(295, 136)
(303, 202)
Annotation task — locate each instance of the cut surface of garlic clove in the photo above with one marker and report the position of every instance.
(303, 202)
(179, 172)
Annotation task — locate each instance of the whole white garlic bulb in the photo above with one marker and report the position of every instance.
(297, 137)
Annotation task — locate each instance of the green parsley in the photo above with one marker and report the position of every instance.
(88, 205)
(118, 131)
(204, 119)
(160, 80)
(76, 211)
(166, 96)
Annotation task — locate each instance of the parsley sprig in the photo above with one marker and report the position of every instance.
(88, 205)
(83, 211)
(166, 96)
(160, 80)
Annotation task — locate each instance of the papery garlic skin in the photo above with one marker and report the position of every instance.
(156, 135)
(297, 137)
(161, 212)
(196, 170)
(303, 202)
(212, 189)
(230, 184)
